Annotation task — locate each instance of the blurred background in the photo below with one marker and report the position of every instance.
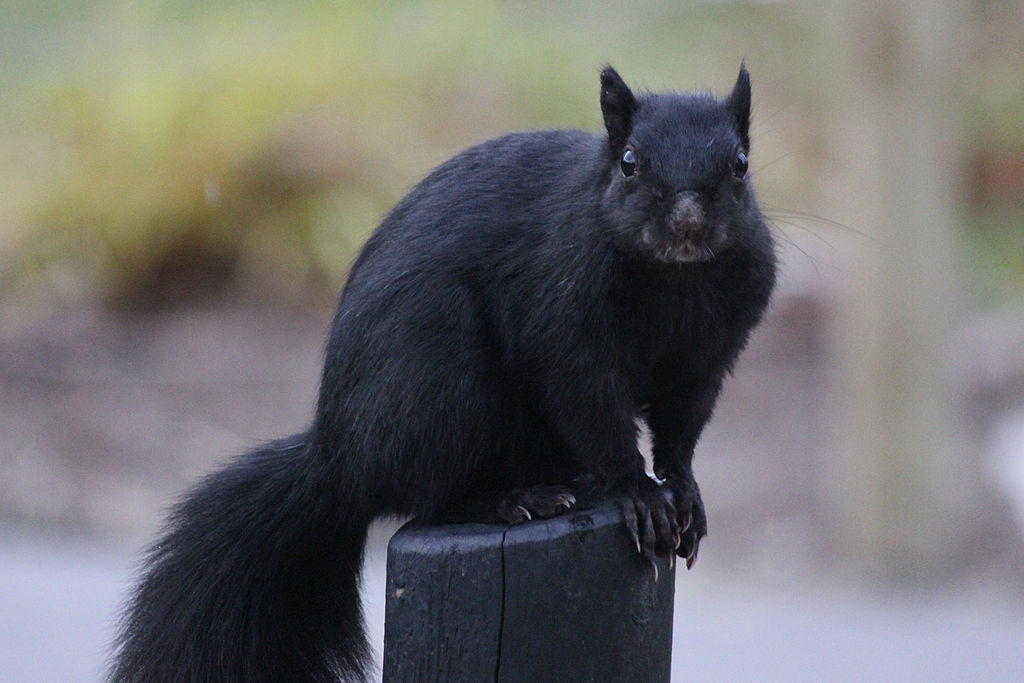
(183, 186)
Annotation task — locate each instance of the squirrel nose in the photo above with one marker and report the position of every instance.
(687, 215)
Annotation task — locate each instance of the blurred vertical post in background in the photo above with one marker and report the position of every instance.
(901, 486)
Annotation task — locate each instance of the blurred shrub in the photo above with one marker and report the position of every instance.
(158, 153)
(180, 149)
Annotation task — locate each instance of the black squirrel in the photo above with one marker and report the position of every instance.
(499, 335)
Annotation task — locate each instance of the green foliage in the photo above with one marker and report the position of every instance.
(158, 152)
(168, 143)
(154, 152)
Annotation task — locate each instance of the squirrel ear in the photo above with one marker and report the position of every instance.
(739, 105)
(618, 106)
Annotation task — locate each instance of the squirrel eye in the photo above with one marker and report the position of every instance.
(628, 163)
(739, 165)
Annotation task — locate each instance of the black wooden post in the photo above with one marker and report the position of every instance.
(565, 599)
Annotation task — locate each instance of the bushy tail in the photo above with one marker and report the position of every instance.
(255, 579)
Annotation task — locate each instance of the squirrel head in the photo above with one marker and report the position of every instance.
(677, 187)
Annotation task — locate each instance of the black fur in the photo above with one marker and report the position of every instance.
(504, 327)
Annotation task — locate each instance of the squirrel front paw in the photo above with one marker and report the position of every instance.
(692, 522)
(652, 522)
(665, 520)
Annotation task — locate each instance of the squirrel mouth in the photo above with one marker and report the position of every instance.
(678, 250)
(686, 252)
(691, 252)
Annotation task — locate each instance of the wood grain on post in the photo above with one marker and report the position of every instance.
(564, 599)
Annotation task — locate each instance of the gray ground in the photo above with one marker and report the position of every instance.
(103, 418)
(58, 597)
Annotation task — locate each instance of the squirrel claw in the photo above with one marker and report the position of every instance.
(537, 502)
(565, 503)
(691, 558)
(629, 516)
(685, 523)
